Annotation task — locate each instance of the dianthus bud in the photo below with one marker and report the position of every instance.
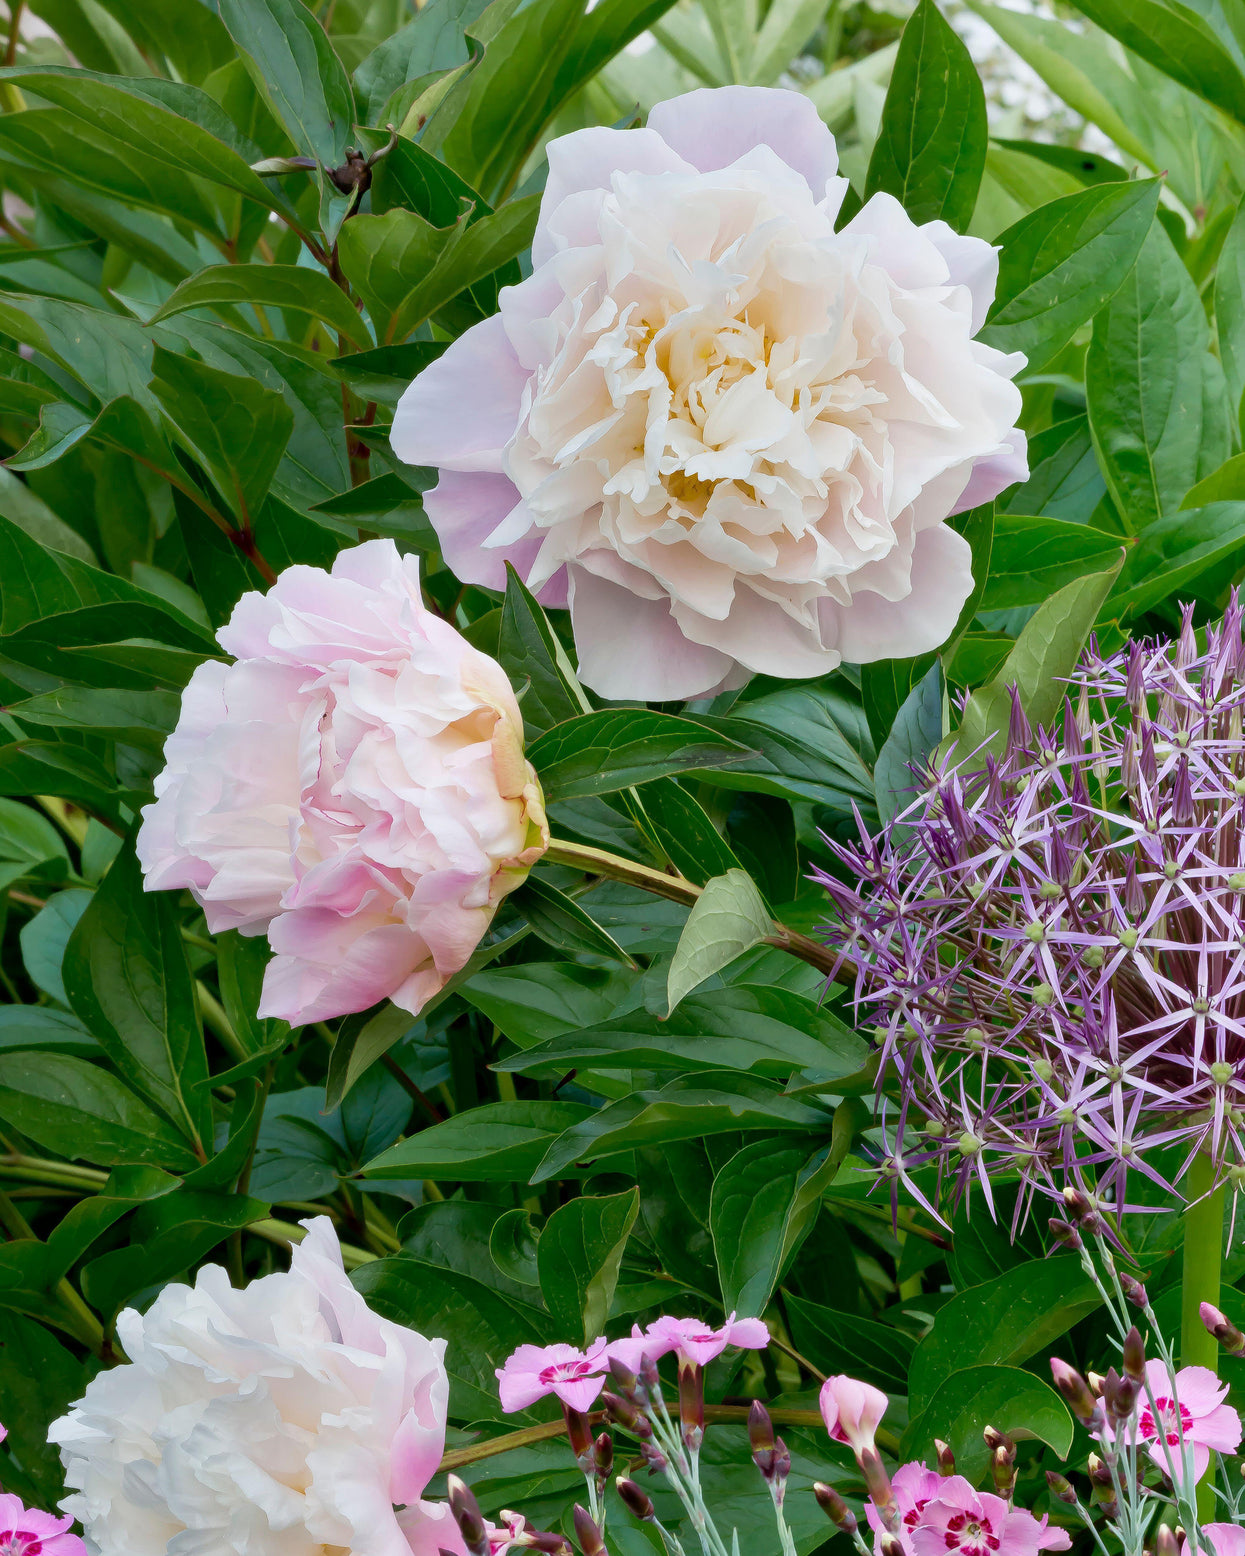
(692, 1406)
(1095, 1381)
(994, 1440)
(623, 1376)
(1074, 1389)
(890, 1546)
(1066, 1234)
(579, 1430)
(834, 1507)
(1100, 1473)
(1003, 1469)
(626, 1413)
(1166, 1541)
(653, 1457)
(1228, 1335)
(878, 1485)
(467, 1515)
(1134, 1355)
(603, 1455)
(1134, 1291)
(1078, 1203)
(635, 1499)
(760, 1429)
(1120, 1395)
(1061, 1488)
(946, 1459)
(587, 1534)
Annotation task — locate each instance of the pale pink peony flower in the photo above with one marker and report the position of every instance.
(695, 1344)
(283, 1418)
(535, 1371)
(24, 1531)
(1198, 1414)
(852, 1410)
(1225, 1539)
(725, 434)
(354, 786)
(941, 1516)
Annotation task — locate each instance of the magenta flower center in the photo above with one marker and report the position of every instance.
(16, 1542)
(971, 1536)
(559, 1372)
(1174, 1421)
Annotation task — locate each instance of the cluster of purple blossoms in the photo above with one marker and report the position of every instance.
(1052, 943)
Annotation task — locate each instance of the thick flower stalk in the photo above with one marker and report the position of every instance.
(726, 434)
(1052, 944)
(354, 786)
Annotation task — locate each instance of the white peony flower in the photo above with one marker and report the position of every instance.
(283, 1420)
(725, 433)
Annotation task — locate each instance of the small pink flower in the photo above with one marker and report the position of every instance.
(536, 1371)
(852, 1410)
(965, 1522)
(695, 1344)
(1225, 1539)
(4, 1431)
(1198, 1413)
(24, 1531)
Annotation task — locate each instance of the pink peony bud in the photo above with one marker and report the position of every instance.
(852, 1411)
(354, 787)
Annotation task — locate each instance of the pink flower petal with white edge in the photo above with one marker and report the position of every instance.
(465, 507)
(713, 127)
(463, 408)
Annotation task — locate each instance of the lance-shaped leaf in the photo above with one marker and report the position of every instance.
(579, 1257)
(615, 748)
(729, 917)
(269, 286)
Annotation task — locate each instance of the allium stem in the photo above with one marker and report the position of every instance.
(1203, 1263)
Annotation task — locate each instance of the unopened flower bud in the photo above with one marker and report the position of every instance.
(1061, 1488)
(579, 1430)
(635, 1499)
(1100, 1473)
(1134, 1290)
(877, 1484)
(623, 1376)
(1078, 1203)
(1134, 1356)
(1095, 1381)
(1167, 1542)
(761, 1436)
(603, 1452)
(994, 1439)
(890, 1546)
(946, 1459)
(467, 1515)
(692, 1406)
(1120, 1395)
(834, 1507)
(653, 1457)
(1003, 1469)
(1074, 1389)
(626, 1413)
(587, 1535)
(1063, 1232)
(1228, 1335)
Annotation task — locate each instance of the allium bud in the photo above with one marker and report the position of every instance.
(1134, 1291)
(587, 1535)
(1075, 1390)
(834, 1507)
(1228, 1335)
(946, 1459)
(1066, 1234)
(467, 1516)
(1061, 1488)
(1134, 1356)
(635, 1499)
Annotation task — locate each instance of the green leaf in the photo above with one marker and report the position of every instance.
(292, 62)
(143, 719)
(27, 837)
(685, 832)
(1172, 553)
(536, 1001)
(914, 735)
(578, 1259)
(559, 921)
(190, 37)
(83, 1113)
(1227, 484)
(1006, 1321)
(788, 26)
(481, 1326)
(1063, 262)
(497, 1142)
(1045, 655)
(1157, 405)
(727, 919)
(1006, 1398)
(432, 42)
(712, 1103)
(1064, 479)
(597, 753)
(1033, 558)
(529, 650)
(763, 1204)
(931, 148)
(770, 1031)
(44, 938)
(40, 1026)
(128, 981)
(234, 425)
(270, 286)
(1177, 41)
(1230, 310)
(845, 1342)
(607, 29)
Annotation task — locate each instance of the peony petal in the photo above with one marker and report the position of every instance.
(942, 580)
(463, 409)
(465, 509)
(713, 127)
(995, 473)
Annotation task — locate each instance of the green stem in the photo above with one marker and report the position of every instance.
(1203, 1263)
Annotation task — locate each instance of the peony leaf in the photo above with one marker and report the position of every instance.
(931, 148)
(578, 1260)
(837, 1341)
(1006, 1398)
(1173, 553)
(728, 918)
(1033, 558)
(529, 651)
(614, 748)
(916, 732)
(1229, 311)
(296, 287)
(497, 1142)
(559, 921)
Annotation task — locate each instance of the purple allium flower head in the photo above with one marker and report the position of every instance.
(1052, 945)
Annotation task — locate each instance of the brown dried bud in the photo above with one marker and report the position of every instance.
(1228, 1335)
(587, 1535)
(1075, 1390)
(635, 1499)
(467, 1515)
(946, 1459)
(1061, 1488)
(1066, 1234)
(1134, 1356)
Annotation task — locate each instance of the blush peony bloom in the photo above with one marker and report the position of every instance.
(24, 1531)
(725, 434)
(1198, 1414)
(276, 1421)
(354, 786)
(535, 1371)
(852, 1410)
